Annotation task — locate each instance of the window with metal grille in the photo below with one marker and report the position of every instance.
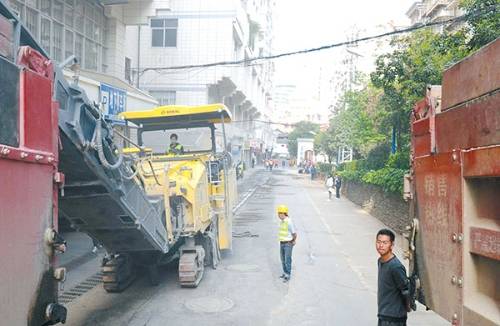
(164, 97)
(32, 21)
(90, 55)
(164, 32)
(57, 42)
(45, 34)
(79, 47)
(58, 10)
(45, 7)
(68, 41)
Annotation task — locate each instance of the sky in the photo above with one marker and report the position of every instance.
(312, 23)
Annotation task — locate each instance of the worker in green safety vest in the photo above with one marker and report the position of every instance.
(175, 148)
(287, 238)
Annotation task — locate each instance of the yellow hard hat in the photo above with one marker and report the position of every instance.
(282, 209)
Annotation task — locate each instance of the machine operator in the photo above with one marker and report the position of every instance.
(175, 148)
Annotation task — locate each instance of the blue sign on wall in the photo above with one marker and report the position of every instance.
(113, 99)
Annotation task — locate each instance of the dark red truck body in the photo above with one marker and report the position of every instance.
(455, 192)
(28, 183)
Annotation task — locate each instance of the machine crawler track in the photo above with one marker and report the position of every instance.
(191, 265)
(118, 273)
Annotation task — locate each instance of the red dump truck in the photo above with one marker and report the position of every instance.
(454, 191)
(29, 181)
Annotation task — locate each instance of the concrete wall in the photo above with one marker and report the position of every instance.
(389, 208)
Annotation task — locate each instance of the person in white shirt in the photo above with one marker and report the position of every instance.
(329, 185)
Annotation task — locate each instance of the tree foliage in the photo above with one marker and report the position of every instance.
(303, 129)
(365, 119)
(417, 61)
(485, 26)
(323, 142)
(356, 123)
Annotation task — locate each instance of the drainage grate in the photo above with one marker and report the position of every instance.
(81, 288)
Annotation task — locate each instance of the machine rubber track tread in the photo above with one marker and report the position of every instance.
(118, 274)
(191, 267)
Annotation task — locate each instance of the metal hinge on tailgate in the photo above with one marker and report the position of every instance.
(59, 180)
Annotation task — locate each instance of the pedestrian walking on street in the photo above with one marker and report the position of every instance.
(329, 185)
(313, 172)
(287, 238)
(393, 294)
(338, 184)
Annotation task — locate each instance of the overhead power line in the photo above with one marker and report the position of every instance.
(266, 122)
(329, 46)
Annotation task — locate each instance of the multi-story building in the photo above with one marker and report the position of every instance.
(292, 104)
(93, 31)
(197, 32)
(426, 11)
(122, 42)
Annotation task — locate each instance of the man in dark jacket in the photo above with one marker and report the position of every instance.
(393, 295)
(338, 184)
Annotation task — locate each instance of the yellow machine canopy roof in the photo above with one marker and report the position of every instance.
(172, 116)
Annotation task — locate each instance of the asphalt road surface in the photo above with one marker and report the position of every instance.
(333, 275)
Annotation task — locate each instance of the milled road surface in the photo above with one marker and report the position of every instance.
(333, 276)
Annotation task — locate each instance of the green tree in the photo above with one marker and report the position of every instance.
(356, 122)
(303, 129)
(400, 78)
(483, 24)
(417, 61)
(324, 143)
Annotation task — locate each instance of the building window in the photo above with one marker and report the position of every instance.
(79, 48)
(16, 7)
(57, 42)
(89, 28)
(79, 18)
(164, 97)
(45, 7)
(45, 34)
(32, 21)
(33, 4)
(68, 16)
(90, 55)
(58, 10)
(66, 27)
(164, 32)
(104, 59)
(97, 33)
(68, 44)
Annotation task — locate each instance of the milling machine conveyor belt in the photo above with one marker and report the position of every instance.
(98, 198)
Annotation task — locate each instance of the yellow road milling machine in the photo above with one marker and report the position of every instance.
(150, 204)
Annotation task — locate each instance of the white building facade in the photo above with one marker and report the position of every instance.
(426, 11)
(120, 42)
(305, 150)
(197, 32)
